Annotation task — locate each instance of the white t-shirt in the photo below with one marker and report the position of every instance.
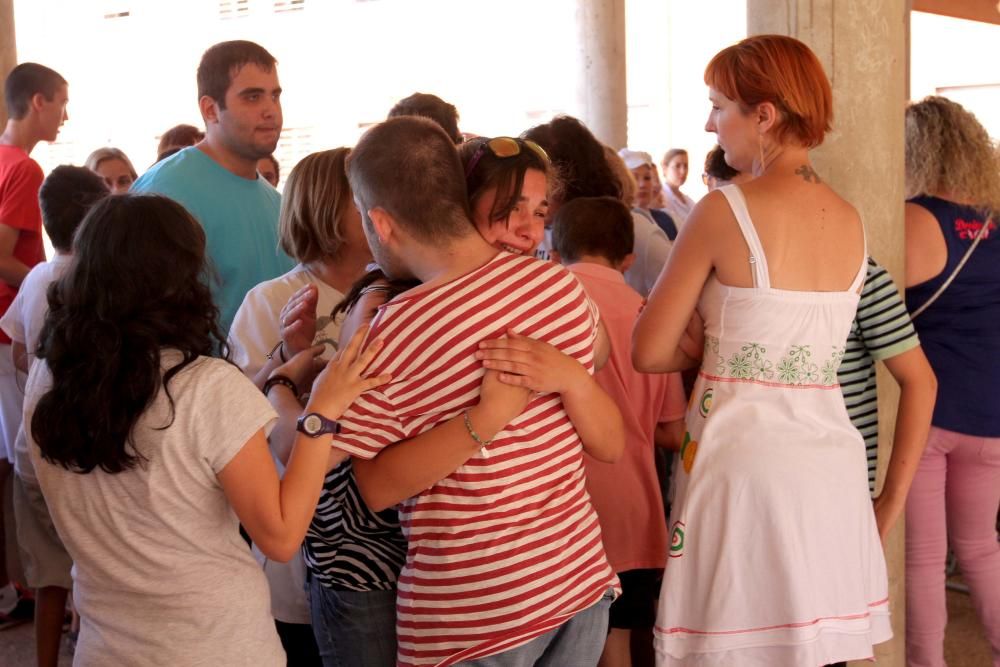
(23, 323)
(254, 333)
(161, 574)
(651, 248)
(256, 330)
(678, 206)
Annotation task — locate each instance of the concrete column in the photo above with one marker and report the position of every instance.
(862, 46)
(600, 88)
(8, 48)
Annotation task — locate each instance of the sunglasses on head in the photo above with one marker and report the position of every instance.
(503, 147)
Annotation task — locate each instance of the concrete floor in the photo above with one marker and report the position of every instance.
(965, 644)
(17, 648)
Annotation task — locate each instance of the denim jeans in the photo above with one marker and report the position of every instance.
(353, 629)
(578, 643)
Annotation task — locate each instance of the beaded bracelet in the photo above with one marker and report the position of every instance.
(475, 436)
(282, 380)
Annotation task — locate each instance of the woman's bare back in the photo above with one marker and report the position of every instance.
(812, 238)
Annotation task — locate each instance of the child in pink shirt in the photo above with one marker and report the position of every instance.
(593, 238)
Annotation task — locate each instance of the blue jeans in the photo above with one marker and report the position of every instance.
(353, 629)
(578, 643)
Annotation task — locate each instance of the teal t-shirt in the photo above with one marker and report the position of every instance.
(240, 218)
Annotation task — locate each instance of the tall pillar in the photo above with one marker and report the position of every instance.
(8, 48)
(862, 46)
(600, 87)
(8, 59)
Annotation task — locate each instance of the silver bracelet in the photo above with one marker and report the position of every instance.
(279, 347)
(472, 433)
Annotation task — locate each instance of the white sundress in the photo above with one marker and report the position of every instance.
(775, 558)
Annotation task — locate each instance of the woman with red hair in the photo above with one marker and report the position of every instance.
(775, 551)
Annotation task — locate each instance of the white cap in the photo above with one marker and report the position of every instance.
(635, 159)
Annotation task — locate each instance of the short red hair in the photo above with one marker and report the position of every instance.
(780, 70)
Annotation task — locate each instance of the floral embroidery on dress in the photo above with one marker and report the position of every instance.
(795, 367)
(712, 347)
(832, 365)
(751, 363)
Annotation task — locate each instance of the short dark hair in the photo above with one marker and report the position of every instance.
(274, 163)
(578, 158)
(24, 82)
(717, 167)
(180, 136)
(409, 167)
(221, 62)
(430, 106)
(173, 150)
(597, 226)
(66, 195)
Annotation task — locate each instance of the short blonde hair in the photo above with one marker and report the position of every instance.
(314, 201)
(102, 154)
(623, 175)
(949, 152)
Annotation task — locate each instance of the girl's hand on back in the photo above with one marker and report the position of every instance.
(499, 403)
(533, 364)
(343, 379)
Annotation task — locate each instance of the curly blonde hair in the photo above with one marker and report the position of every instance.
(948, 151)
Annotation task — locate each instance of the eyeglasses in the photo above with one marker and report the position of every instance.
(503, 147)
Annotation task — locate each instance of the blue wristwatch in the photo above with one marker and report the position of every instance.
(315, 425)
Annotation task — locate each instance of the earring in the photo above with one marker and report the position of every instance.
(760, 145)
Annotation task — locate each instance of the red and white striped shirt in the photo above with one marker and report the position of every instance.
(508, 546)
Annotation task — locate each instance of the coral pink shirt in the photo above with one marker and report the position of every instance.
(626, 494)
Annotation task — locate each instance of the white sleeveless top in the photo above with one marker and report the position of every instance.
(775, 557)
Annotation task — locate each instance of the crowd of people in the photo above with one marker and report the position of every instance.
(407, 411)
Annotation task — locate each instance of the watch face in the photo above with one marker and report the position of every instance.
(312, 424)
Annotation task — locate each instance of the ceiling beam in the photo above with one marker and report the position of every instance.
(985, 11)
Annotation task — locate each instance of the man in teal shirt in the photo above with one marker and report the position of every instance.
(217, 180)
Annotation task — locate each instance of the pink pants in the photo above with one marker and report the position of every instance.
(955, 496)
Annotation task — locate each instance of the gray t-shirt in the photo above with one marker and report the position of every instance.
(161, 574)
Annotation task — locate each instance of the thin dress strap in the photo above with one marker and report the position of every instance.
(758, 262)
(863, 271)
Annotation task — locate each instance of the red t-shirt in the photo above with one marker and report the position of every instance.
(508, 546)
(20, 179)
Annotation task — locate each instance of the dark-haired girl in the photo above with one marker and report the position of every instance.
(579, 159)
(149, 451)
